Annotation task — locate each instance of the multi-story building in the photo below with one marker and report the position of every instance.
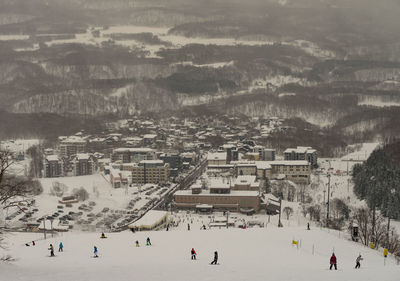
(150, 171)
(219, 195)
(83, 164)
(302, 153)
(297, 171)
(245, 168)
(232, 153)
(53, 166)
(264, 154)
(174, 161)
(216, 158)
(72, 145)
(132, 155)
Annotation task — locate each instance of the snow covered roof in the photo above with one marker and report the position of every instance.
(131, 149)
(151, 218)
(52, 157)
(263, 165)
(216, 156)
(234, 193)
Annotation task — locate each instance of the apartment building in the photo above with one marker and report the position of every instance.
(72, 145)
(83, 164)
(150, 171)
(302, 153)
(53, 166)
(132, 155)
(297, 171)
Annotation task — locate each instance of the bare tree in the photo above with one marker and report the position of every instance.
(14, 190)
(288, 211)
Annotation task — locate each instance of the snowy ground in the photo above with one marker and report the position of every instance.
(250, 254)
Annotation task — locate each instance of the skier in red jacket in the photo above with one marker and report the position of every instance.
(193, 252)
(333, 261)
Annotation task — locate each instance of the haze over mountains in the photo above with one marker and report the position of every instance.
(333, 64)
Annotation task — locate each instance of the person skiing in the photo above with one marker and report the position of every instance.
(137, 243)
(358, 259)
(61, 247)
(333, 262)
(215, 258)
(308, 226)
(193, 252)
(95, 252)
(188, 226)
(33, 243)
(148, 243)
(102, 235)
(51, 250)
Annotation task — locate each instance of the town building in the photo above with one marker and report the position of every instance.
(83, 164)
(53, 166)
(302, 153)
(216, 158)
(296, 171)
(72, 145)
(150, 171)
(219, 195)
(132, 155)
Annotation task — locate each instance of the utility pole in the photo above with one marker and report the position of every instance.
(327, 204)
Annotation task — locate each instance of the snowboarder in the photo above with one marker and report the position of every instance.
(61, 247)
(188, 226)
(51, 250)
(333, 262)
(137, 243)
(102, 235)
(95, 252)
(33, 243)
(148, 243)
(193, 252)
(308, 226)
(358, 259)
(215, 258)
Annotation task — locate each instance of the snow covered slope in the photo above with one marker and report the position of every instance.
(250, 254)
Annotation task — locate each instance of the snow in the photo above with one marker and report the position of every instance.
(363, 153)
(244, 254)
(13, 37)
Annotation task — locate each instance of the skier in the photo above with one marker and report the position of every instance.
(33, 243)
(51, 250)
(358, 259)
(193, 252)
(26, 244)
(137, 243)
(102, 235)
(148, 243)
(204, 227)
(333, 262)
(61, 247)
(308, 226)
(215, 258)
(95, 252)
(167, 227)
(188, 226)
